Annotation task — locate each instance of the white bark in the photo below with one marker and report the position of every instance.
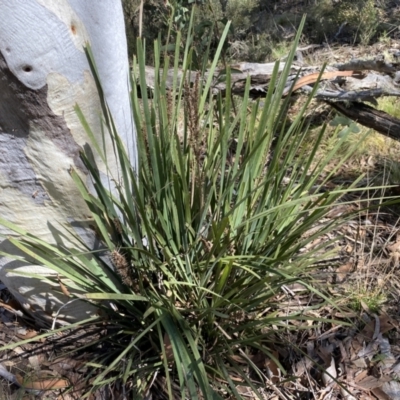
(43, 74)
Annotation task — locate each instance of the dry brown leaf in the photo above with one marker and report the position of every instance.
(18, 350)
(370, 382)
(12, 306)
(273, 367)
(387, 323)
(362, 375)
(42, 384)
(312, 78)
(63, 287)
(380, 394)
(342, 271)
(28, 335)
(349, 249)
(384, 324)
(369, 330)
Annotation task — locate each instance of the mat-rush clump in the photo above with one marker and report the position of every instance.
(204, 242)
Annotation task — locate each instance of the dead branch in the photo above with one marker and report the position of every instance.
(378, 64)
(370, 117)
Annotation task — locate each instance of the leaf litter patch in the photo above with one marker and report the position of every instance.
(45, 368)
(361, 361)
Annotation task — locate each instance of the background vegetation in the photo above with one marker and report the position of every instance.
(263, 30)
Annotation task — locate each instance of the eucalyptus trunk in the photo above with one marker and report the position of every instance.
(44, 73)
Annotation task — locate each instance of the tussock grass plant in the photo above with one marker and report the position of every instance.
(202, 237)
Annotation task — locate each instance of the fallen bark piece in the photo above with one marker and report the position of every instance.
(312, 78)
(42, 384)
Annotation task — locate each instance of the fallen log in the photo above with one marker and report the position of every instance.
(345, 86)
(357, 80)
